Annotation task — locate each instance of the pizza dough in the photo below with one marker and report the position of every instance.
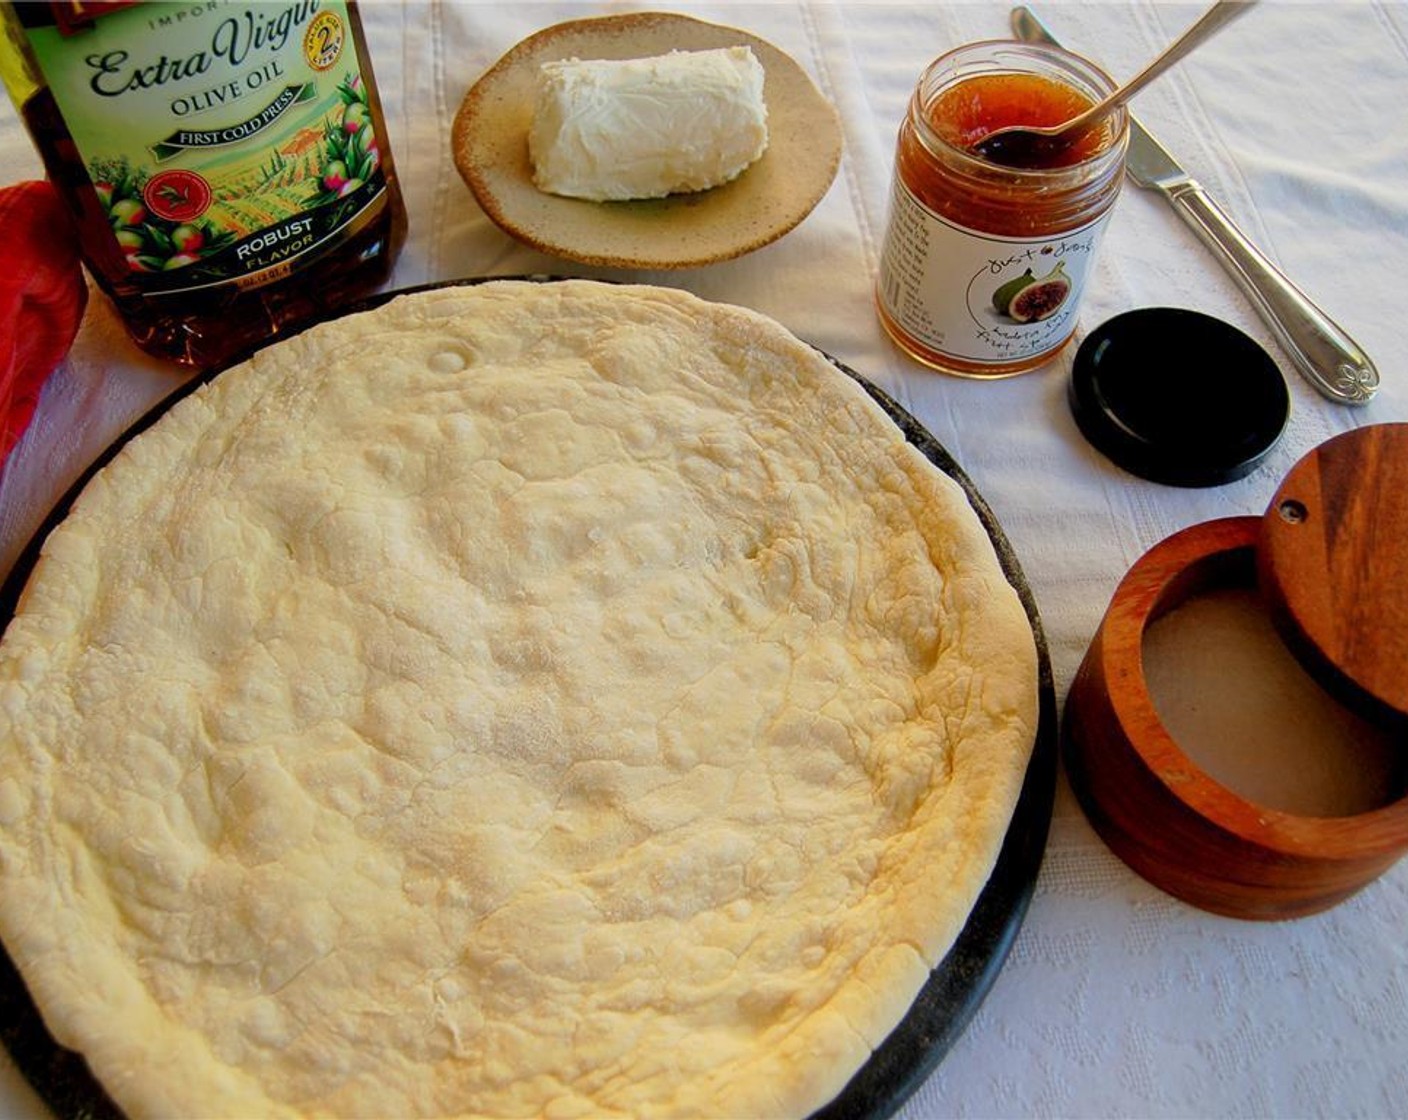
(522, 699)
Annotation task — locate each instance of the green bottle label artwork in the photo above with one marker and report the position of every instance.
(231, 141)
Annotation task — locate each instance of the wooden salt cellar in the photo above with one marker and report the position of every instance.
(1330, 560)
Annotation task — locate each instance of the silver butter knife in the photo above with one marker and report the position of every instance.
(1327, 357)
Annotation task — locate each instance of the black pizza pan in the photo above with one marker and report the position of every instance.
(939, 1013)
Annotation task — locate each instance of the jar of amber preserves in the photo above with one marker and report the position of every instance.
(984, 263)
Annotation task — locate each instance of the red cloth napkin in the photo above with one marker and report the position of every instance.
(42, 298)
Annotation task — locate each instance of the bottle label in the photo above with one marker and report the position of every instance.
(978, 296)
(230, 141)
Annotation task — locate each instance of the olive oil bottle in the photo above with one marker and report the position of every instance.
(226, 160)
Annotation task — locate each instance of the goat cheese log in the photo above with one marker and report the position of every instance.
(612, 130)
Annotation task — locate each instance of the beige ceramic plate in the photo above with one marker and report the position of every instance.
(490, 141)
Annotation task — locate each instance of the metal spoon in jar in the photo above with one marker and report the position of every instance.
(1022, 145)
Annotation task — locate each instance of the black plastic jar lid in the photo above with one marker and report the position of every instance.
(1178, 397)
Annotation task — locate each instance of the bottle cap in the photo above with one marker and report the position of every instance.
(1178, 397)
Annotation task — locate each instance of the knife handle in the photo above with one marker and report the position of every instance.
(1328, 357)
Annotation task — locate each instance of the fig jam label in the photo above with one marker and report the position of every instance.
(978, 296)
(230, 141)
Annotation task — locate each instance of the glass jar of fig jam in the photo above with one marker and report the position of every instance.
(984, 264)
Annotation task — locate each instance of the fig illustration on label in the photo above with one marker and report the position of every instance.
(1030, 298)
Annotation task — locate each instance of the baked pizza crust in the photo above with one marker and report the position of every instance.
(521, 699)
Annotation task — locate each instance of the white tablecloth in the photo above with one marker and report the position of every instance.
(1117, 1000)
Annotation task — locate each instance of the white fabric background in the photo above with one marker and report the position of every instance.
(1117, 1000)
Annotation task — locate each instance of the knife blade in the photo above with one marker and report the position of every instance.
(1327, 357)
